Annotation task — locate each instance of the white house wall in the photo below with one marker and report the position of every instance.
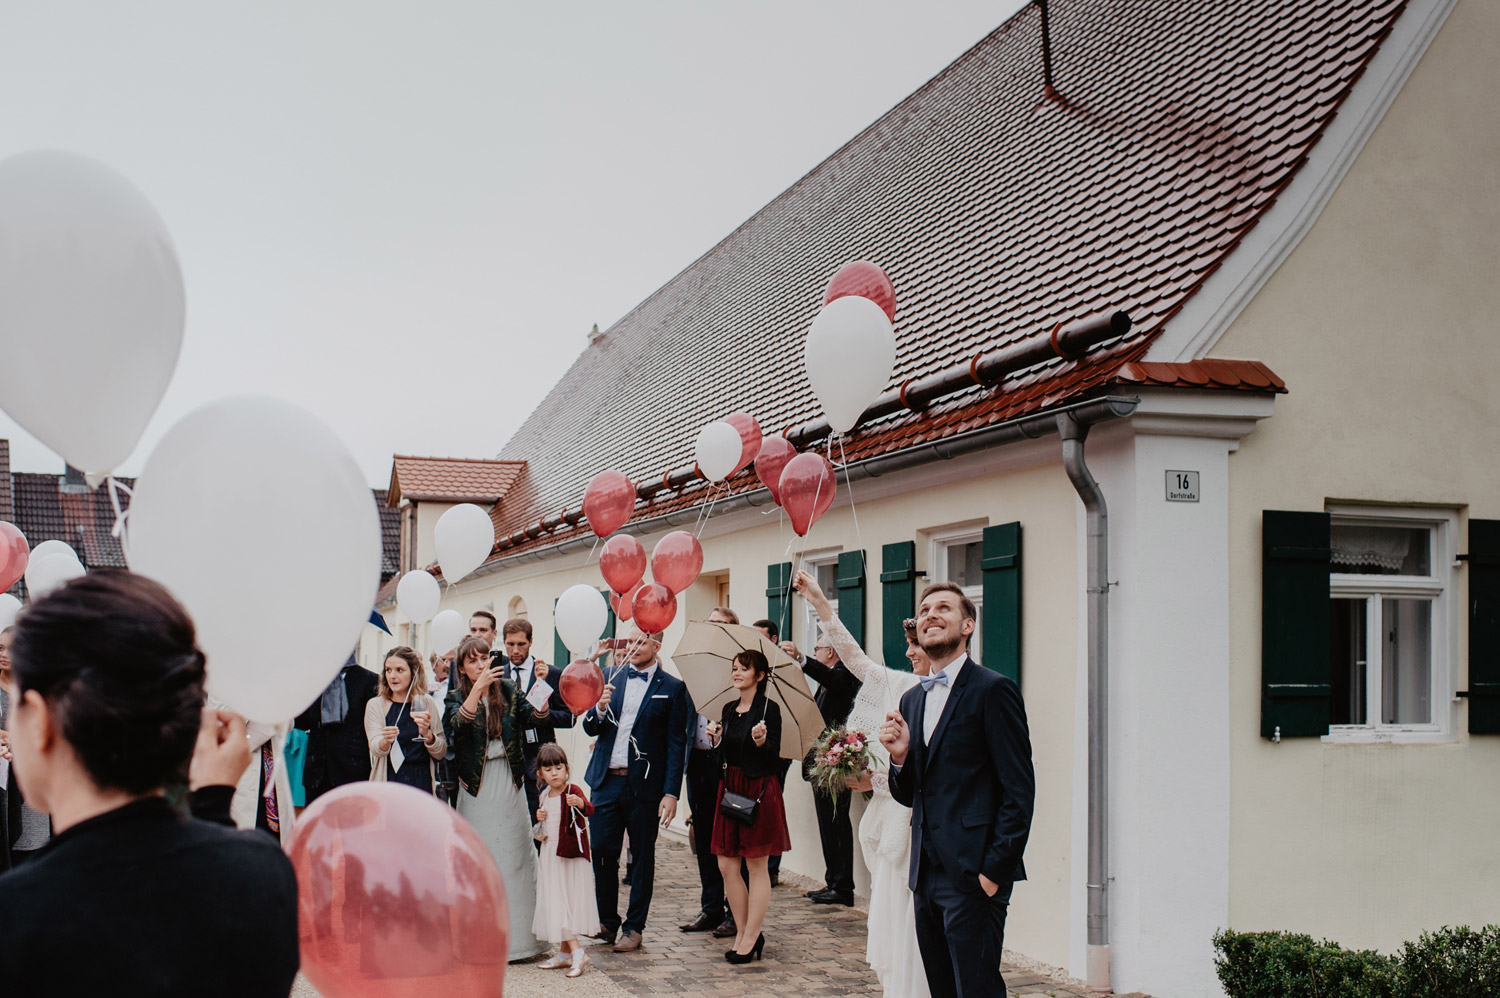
(1383, 325)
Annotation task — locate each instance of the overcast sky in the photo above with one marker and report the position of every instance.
(407, 216)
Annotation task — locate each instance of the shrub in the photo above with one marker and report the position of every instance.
(1452, 963)
(1286, 965)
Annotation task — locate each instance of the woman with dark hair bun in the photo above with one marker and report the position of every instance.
(106, 712)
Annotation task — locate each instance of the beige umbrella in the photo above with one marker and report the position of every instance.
(702, 659)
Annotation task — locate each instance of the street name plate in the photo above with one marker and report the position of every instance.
(1182, 486)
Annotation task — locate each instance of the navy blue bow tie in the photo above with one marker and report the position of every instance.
(928, 682)
(638, 674)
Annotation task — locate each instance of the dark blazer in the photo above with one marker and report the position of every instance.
(971, 791)
(738, 748)
(837, 688)
(558, 714)
(660, 734)
(338, 753)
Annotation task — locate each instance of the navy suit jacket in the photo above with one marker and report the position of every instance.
(972, 790)
(558, 715)
(660, 733)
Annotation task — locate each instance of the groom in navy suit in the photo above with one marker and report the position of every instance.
(635, 774)
(961, 760)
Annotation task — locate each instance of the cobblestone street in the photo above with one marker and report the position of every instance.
(811, 950)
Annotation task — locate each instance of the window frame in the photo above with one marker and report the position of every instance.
(1438, 589)
(937, 557)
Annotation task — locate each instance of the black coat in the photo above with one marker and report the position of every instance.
(971, 792)
(143, 901)
(338, 753)
(837, 688)
(558, 714)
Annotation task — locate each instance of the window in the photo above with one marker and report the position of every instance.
(1390, 624)
(516, 608)
(956, 558)
(826, 571)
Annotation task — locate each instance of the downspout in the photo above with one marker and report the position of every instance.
(1073, 433)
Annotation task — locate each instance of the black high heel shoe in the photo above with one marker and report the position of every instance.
(754, 954)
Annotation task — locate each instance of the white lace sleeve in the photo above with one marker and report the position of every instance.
(880, 781)
(851, 654)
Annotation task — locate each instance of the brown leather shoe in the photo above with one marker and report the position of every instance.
(702, 923)
(629, 942)
(727, 929)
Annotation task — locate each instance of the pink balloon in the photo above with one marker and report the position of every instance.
(581, 686)
(14, 552)
(865, 280)
(622, 562)
(677, 561)
(608, 502)
(807, 487)
(622, 603)
(655, 606)
(775, 452)
(750, 434)
(397, 897)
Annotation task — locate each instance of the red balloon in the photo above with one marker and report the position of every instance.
(749, 434)
(13, 554)
(622, 562)
(677, 561)
(622, 603)
(581, 685)
(397, 896)
(807, 486)
(775, 452)
(655, 607)
(608, 502)
(865, 280)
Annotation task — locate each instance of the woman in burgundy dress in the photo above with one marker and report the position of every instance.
(749, 739)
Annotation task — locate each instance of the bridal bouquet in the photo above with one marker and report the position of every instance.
(840, 760)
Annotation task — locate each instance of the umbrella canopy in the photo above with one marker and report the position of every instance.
(702, 659)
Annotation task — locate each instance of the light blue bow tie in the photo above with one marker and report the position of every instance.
(638, 674)
(928, 682)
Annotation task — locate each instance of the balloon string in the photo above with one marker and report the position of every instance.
(589, 560)
(114, 487)
(849, 489)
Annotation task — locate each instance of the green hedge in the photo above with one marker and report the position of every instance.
(1449, 963)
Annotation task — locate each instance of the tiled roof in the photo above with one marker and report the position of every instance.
(998, 214)
(1249, 375)
(390, 536)
(452, 479)
(83, 520)
(7, 493)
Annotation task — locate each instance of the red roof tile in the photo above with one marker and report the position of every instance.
(452, 479)
(1247, 375)
(997, 214)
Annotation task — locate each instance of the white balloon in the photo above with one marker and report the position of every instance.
(42, 552)
(91, 306)
(418, 596)
(46, 574)
(447, 630)
(580, 618)
(279, 580)
(717, 450)
(850, 352)
(463, 538)
(9, 607)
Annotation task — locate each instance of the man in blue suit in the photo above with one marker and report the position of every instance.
(961, 760)
(635, 774)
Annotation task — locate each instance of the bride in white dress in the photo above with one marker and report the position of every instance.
(885, 830)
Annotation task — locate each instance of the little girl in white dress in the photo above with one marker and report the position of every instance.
(565, 906)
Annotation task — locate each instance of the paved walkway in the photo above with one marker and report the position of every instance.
(811, 950)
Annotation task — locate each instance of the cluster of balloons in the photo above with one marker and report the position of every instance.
(851, 348)
(463, 538)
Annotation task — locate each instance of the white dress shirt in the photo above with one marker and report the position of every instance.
(522, 675)
(937, 698)
(635, 695)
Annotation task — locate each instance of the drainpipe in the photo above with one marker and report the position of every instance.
(1073, 432)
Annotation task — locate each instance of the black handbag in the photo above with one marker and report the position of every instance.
(738, 807)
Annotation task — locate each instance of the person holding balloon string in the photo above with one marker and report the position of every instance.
(566, 907)
(399, 724)
(489, 720)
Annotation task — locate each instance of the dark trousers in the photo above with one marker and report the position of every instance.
(616, 812)
(836, 829)
(703, 775)
(960, 934)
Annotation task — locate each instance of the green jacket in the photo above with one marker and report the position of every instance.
(470, 738)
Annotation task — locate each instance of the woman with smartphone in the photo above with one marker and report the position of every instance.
(406, 740)
(489, 721)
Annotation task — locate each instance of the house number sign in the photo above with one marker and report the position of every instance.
(1182, 486)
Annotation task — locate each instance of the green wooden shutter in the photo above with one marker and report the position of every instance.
(779, 597)
(850, 580)
(1484, 627)
(1001, 612)
(1296, 623)
(609, 621)
(898, 599)
(560, 656)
